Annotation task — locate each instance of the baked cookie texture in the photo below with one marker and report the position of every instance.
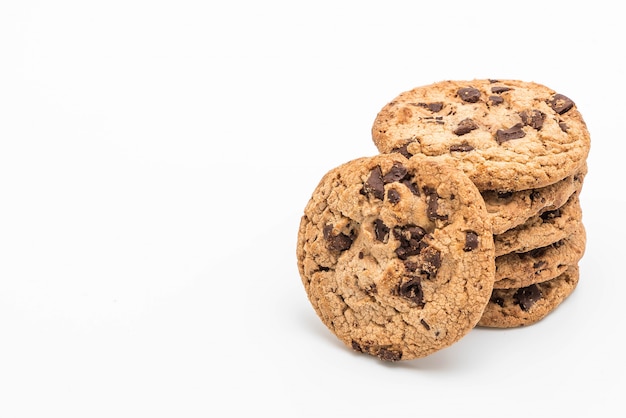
(541, 230)
(506, 210)
(396, 255)
(540, 264)
(469, 216)
(506, 135)
(509, 308)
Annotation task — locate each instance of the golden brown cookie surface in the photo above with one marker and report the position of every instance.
(396, 255)
(507, 135)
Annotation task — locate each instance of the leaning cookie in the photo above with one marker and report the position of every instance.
(541, 230)
(507, 135)
(396, 256)
(540, 264)
(524, 306)
(506, 210)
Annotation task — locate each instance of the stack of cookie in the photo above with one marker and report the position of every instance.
(469, 216)
(525, 148)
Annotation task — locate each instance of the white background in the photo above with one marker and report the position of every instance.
(156, 156)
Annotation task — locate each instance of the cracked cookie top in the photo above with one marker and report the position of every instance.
(396, 255)
(506, 135)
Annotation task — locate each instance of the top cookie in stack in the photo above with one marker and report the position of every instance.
(506, 135)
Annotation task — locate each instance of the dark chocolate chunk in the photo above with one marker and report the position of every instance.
(499, 89)
(393, 196)
(533, 118)
(389, 355)
(471, 241)
(563, 126)
(374, 184)
(431, 261)
(403, 150)
(551, 214)
(526, 297)
(409, 237)
(465, 127)
(497, 300)
(496, 100)
(514, 132)
(433, 107)
(412, 186)
(425, 324)
(381, 231)
(461, 148)
(412, 290)
(339, 242)
(433, 204)
(560, 103)
(397, 173)
(357, 347)
(410, 266)
(469, 94)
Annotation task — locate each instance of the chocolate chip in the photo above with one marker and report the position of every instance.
(403, 150)
(410, 266)
(526, 297)
(471, 241)
(563, 126)
(461, 148)
(412, 290)
(469, 94)
(425, 324)
(560, 103)
(433, 107)
(397, 173)
(374, 185)
(533, 118)
(433, 204)
(514, 132)
(411, 186)
(551, 214)
(357, 347)
(393, 196)
(499, 89)
(496, 100)
(431, 261)
(497, 300)
(409, 237)
(381, 231)
(339, 242)
(465, 127)
(389, 355)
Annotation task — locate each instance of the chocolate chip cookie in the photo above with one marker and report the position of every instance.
(507, 210)
(507, 135)
(540, 264)
(523, 306)
(541, 230)
(396, 255)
